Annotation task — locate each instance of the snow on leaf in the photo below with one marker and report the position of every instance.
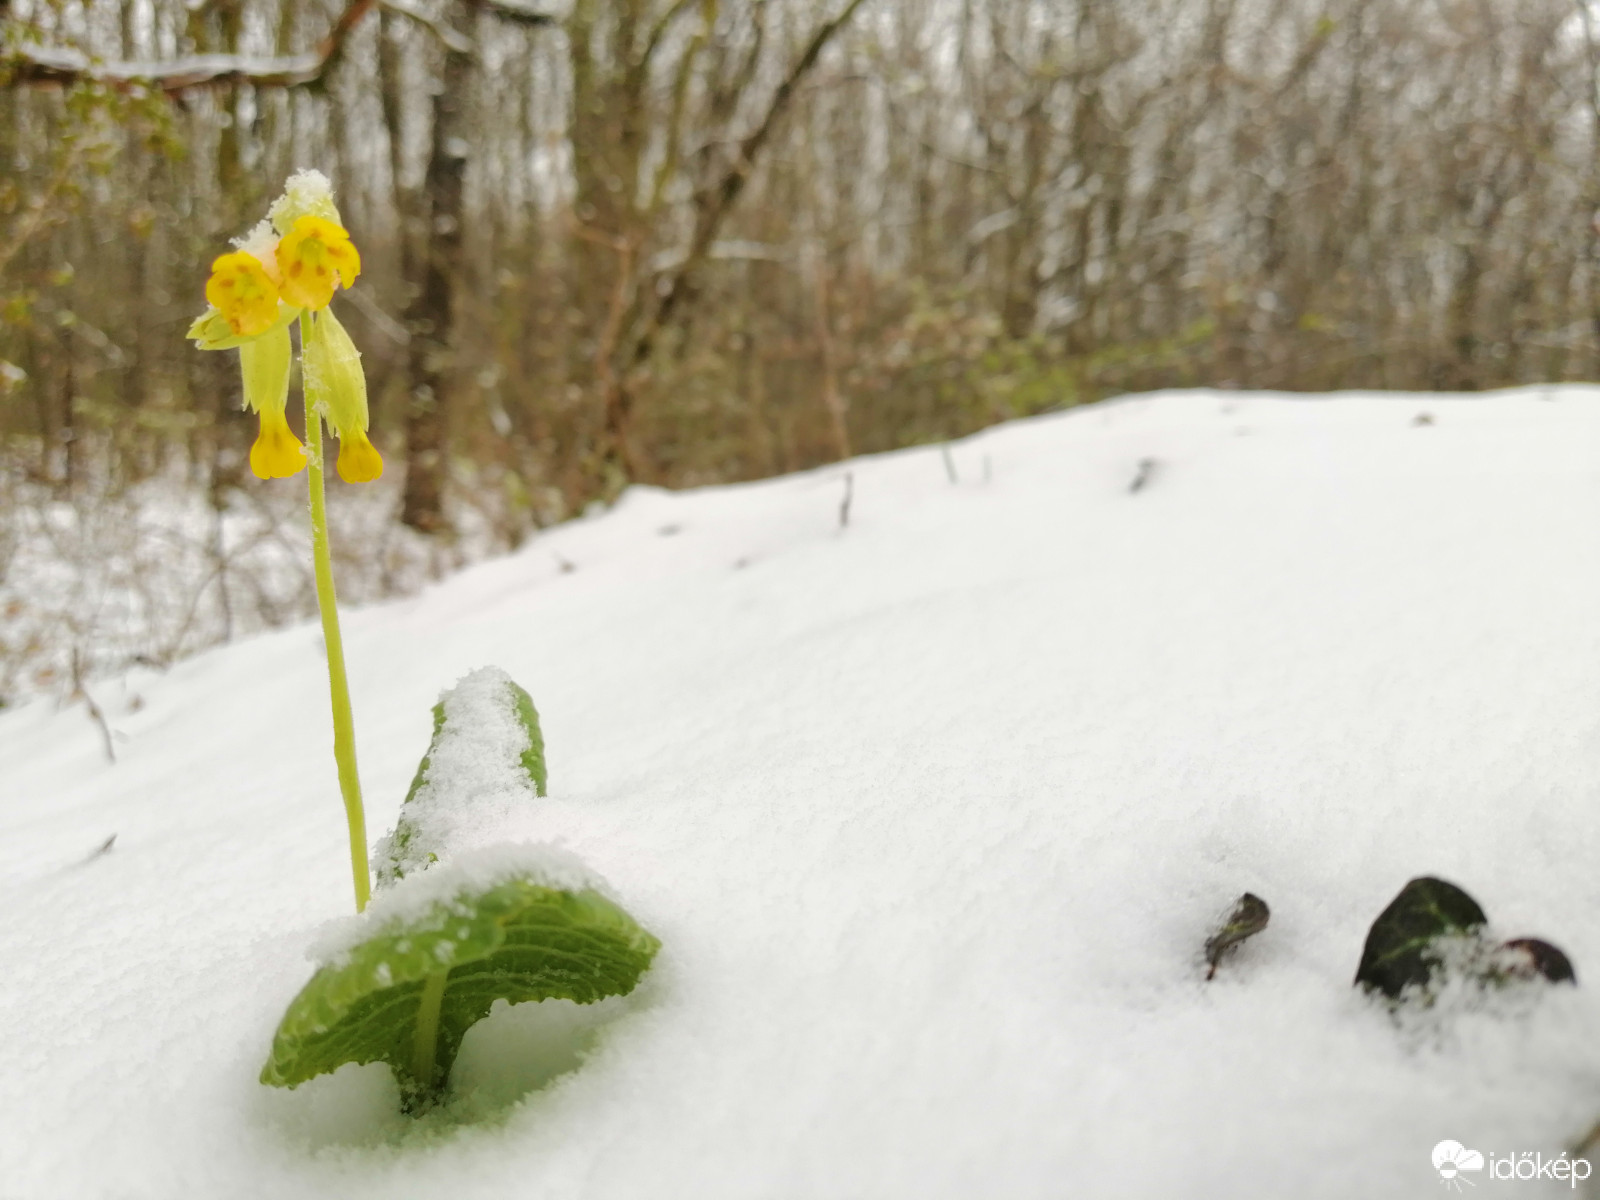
(485, 756)
(1528, 958)
(408, 993)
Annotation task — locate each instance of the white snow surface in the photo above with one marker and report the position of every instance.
(932, 815)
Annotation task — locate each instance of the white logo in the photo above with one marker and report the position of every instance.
(1450, 1159)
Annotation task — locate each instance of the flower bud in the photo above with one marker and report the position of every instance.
(305, 194)
(211, 331)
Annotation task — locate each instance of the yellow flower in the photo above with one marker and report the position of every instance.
(240, 289)
(336, 388)
(277, 453)
(291, 262)
(313, 258)
(359, 460)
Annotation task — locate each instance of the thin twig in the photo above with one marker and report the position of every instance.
(844, 505)
(79, 688)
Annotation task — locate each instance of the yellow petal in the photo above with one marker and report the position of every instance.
(336, 386)
(277, 453)
(359, 460)
(264, 362)
(314, 258)
(241, 292)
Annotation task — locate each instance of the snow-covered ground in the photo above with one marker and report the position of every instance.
(931, 813)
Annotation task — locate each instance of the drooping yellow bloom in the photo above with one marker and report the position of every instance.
(336, 387)
(359, 460)
(241, 290)
(314, 258)
(277, 453)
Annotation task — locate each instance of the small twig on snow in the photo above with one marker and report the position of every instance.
(1147, 468)
(79, 689)
(844, 505)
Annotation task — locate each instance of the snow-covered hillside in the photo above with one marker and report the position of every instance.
(932, 814)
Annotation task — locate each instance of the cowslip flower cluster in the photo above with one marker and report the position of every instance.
(289, 265)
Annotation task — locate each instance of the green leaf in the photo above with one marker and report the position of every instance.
(1401, 946)
(408, 993)
(533, 756)
(422, 767)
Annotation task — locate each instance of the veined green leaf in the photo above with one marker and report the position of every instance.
(1402, 941)
(408, 993)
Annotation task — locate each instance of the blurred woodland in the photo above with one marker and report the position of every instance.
(686, 241)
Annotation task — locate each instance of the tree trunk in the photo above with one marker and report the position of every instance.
(429, 315)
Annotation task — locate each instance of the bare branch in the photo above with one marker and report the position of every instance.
(449, 38)
(45, 66)
(521, 14)
(659, 30)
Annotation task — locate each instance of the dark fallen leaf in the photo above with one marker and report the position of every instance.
(1525, 958)
(1398, 947)
(1422, 418)
(1248, 918)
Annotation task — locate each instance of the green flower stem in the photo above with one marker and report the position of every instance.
(344, 735)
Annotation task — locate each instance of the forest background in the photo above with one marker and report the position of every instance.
(679, 242)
